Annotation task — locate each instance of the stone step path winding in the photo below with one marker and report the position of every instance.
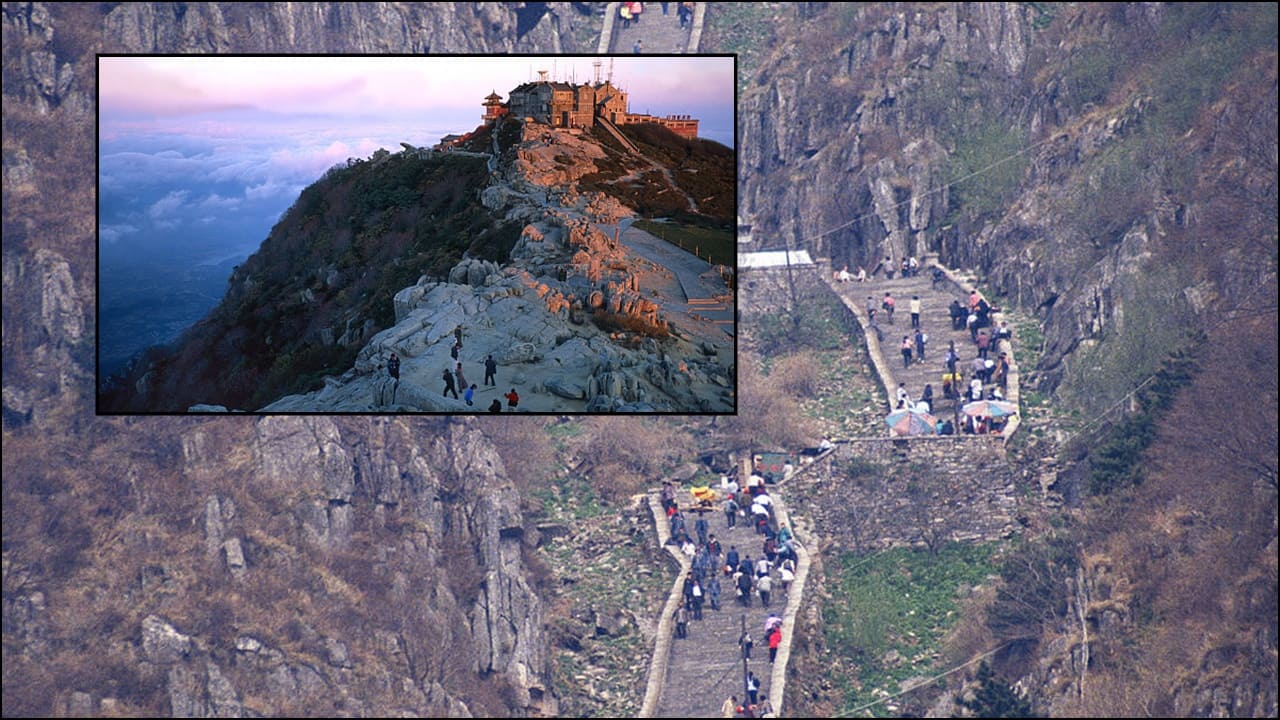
(935, 320)
(657, 33)
(693, 676)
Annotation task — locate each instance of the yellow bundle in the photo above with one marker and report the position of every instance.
(703, 493)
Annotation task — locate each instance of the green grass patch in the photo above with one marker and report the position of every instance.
(848, 401)
(889, 613)
(569, 498)
(717, 246)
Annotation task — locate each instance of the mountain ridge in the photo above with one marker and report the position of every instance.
(316, 299)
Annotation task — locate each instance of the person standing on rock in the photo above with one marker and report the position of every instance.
(462, 380)
(513, 399)
(469, 395)
(393, 366)
(454, 350)
(490, 371)
(457, 336)
(448, 384)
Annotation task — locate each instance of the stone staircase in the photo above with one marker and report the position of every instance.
(658, 34)
(698, 673)
(935, 320)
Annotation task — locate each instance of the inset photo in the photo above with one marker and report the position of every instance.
(417, 234)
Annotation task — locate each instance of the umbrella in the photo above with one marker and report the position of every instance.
(990, 408)
(910, 422)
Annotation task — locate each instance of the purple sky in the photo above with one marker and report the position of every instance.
(226, 143)
(247, 95)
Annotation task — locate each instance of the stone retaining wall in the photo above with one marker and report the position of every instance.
(925, 491)
(881, 364)
(662, 644)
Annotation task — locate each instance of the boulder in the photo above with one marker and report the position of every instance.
(518, 353)
(235, 557)
(566, 389)
(162, 643)
(207, 409)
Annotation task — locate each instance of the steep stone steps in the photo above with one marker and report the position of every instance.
(658, 33)
(705, 668)
(935, 320)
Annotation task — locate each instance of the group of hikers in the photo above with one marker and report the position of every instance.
(910, 267)
(630, 12)
(749, 578)
(988, 375)
(455, 379)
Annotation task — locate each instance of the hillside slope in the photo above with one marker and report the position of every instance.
(1109, 170)
(391, 254)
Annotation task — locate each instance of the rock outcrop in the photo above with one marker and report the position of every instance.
(1054, 193)
(579, 320)
(214, 595)
(374, 569)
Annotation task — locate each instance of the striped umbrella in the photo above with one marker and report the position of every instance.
(910, 422)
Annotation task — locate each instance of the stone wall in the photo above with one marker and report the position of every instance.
(766, 290)
(923, 491)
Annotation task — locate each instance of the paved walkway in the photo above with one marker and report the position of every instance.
(657, 33)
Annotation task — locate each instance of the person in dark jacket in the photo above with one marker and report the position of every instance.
(490, 371)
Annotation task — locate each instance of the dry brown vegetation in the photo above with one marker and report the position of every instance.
(113, 530)
(628, 455)
(769, 415)
(1196, 542)
(798, 375)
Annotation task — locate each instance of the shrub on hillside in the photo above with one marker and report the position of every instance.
(797, 374)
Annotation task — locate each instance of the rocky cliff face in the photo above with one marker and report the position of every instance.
(280, 565)
(540, 314)
(49, 71)
(1007, 140)
(1090, 188)
(242, 567)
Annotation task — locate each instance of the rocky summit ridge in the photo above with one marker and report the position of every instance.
(587, 315)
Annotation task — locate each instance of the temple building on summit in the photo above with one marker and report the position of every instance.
(569, 105)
